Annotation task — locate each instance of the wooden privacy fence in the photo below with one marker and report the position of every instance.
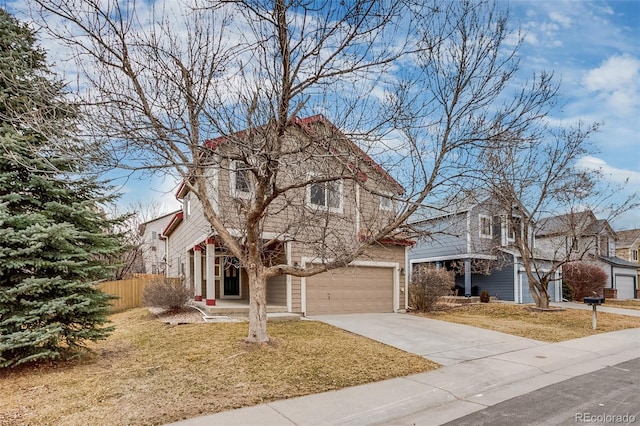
(129, 292)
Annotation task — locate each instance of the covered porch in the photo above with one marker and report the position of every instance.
(221, 285)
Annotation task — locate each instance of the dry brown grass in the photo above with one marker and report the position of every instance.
(545, 326)
(627, 304)
(151, 373)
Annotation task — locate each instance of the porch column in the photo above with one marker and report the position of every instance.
(467, 277)
(197, 272)
(211, 275)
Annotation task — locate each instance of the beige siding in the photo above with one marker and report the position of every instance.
(277, 291)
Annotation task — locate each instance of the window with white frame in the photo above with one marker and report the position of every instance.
(634, 255)
(386, 203)
(240, 180)
(485, 226)
(326, 194)
(187, 206)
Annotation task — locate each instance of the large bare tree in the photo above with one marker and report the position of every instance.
(421, 86)
(549, 201)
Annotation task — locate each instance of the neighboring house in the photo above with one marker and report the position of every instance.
(475, 240)
(152, 244)
(628, 246)
(375, 282)
(582, 236)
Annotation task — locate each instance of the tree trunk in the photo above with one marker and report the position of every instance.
(257, 306)
(541, 296)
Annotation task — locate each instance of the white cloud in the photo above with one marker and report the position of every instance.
(563, 20)
(617, 81)
(613, 174)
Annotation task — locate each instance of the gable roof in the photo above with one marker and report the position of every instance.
(142, 227)
(305, 124)
(584, 223)
(175, 221)
(628, 237)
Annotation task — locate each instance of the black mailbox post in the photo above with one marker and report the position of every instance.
(594, 301)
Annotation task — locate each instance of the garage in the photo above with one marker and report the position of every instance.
(626, 286)
(360, 289)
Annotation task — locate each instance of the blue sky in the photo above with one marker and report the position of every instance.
(593, 47)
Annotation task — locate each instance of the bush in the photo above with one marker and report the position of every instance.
(427, 286)
(166, 293)
(484, 296)
(584, 279)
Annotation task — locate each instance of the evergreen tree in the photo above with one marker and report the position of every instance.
(54, 237)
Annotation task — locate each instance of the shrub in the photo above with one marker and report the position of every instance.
(428, 285)
(583, 279)
(166, 293)
(484, 296)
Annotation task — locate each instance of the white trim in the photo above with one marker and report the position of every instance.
(233, 170)
(390, 207)
(197, 272)
(516, 297)
(357, 209)
(210, 268)
(325, 207)
(480, 234)
(364, 263)
(469, 231)
(406, 278)
(288, 278)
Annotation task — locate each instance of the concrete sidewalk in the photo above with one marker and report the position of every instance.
(475, 376)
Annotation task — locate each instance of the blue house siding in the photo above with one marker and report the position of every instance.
(499, 283)
(448, 236)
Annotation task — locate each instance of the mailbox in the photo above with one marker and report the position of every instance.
(594, 300)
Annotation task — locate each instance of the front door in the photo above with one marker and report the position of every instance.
(231, 277)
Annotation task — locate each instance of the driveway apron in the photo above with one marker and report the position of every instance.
(442, 342)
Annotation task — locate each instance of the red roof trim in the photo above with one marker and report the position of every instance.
(177, 219)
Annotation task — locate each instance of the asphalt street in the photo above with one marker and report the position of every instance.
(607, 396)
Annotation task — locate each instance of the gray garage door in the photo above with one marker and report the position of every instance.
(626, 286)
(350, 290)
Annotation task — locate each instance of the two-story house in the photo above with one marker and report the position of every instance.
(307, 225)
(582, 236)
(152, 244)
(475, 239)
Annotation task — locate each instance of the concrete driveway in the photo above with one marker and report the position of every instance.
(443, 342)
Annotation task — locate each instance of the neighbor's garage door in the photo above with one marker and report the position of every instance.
(625, 286)
(350, 290)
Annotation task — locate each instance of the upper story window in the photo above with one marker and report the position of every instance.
(187, 206)
(485, 226)
(634, 255)
(386, 203)
(572, 244)
(326, 194)
(240, 180)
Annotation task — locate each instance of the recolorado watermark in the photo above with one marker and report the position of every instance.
(605, 418)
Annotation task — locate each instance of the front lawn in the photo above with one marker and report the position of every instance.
(545, 326)
(626, 304)
(151, 373)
